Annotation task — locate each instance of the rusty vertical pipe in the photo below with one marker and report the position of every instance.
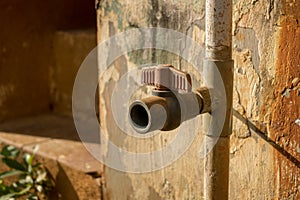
(218, 53)
(218, 27)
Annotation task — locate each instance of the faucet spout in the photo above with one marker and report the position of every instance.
(148, 114)
(166, 110)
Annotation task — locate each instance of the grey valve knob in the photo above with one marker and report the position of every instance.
(166, 77)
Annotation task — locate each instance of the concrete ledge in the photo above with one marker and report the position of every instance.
(60, 150)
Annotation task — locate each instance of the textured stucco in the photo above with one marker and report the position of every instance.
(265, 69)
(285, 130)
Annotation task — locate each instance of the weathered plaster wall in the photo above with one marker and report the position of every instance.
(70, 47)
(252, 174)
(285, 126)
(266, 99)
(183, 179)
(26, 50)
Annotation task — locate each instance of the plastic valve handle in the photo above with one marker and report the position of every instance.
(166, 77)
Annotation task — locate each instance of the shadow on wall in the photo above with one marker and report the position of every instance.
(30, 34)
(42, 45)
(254, 129)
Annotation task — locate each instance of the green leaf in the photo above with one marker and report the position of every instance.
(27, 158)
(10, 151)
(32, 179)
(8, 196)
(4, 189)
(33, 197)
(25, 190)
(9, 173)
(13, 164)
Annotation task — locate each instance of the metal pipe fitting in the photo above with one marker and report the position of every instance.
(166, 110)
(218, 52)
(154, 113)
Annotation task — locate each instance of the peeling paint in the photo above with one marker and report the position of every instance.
(255, 172)
(286, 107)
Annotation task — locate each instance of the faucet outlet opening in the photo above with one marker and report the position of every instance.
(139, 116)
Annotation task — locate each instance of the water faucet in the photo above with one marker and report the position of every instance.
(172, 101)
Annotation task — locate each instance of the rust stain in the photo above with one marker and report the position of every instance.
(240, 36)
(286, 109)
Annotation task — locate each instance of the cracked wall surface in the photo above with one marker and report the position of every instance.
(286, 109)
(265, 82)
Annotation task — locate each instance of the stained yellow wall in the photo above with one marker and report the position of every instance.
(265, 65)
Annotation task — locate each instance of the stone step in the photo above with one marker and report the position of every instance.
(60, 150)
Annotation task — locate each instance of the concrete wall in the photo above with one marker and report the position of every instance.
(26, 50)
(70, 48)
(264, 153)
